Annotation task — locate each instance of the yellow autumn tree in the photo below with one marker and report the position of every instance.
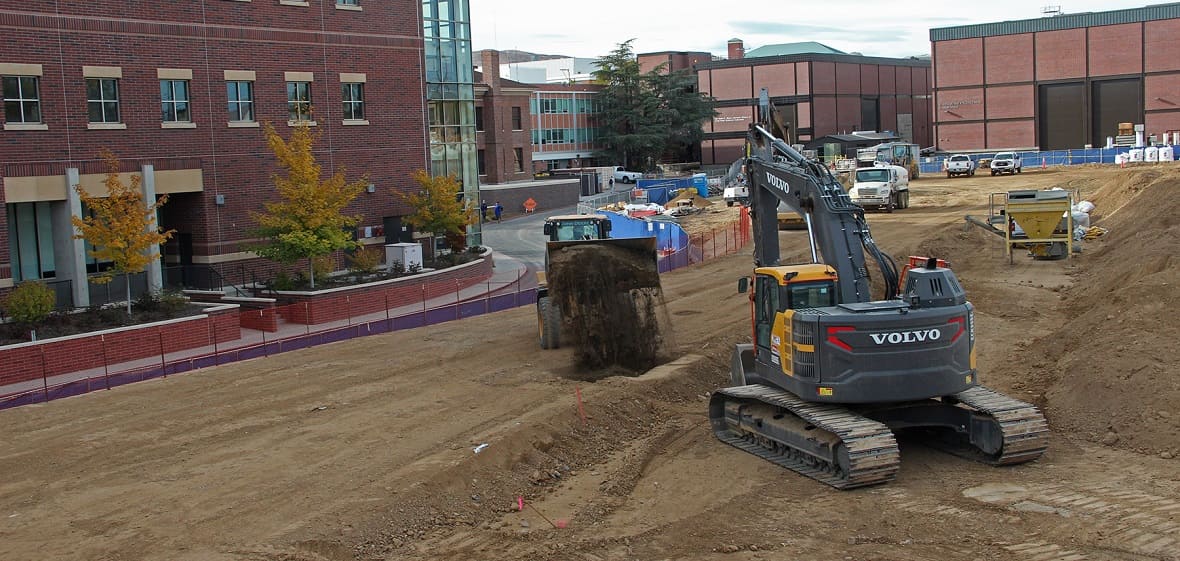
(308, 220)
(121, 227)
(439, 208)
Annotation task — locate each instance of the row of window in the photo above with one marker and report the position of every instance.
(551, 106)
(517, 119)
(22, 100)
(565, 136)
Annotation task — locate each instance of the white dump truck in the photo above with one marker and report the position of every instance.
(883, 187)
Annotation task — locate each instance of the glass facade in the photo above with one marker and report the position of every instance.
(450, 95)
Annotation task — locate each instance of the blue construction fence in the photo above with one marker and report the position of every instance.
(1034, 159)
(668, 235)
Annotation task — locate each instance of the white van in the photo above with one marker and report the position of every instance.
(884, 187)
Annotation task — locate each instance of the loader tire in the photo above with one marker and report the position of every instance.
(548, 323)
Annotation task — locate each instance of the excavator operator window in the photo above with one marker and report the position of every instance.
(809, 295)
(766, 305)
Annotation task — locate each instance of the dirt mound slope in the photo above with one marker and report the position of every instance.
(611, 304)
(1115, 354)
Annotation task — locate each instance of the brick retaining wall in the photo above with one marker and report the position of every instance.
(335, 304)
(62, 355)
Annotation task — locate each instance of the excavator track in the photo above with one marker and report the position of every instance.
(1025, 430)
(845, 449)
(864, 453)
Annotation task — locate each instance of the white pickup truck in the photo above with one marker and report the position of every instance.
(960, 164)
(1006, 162)
(884, 187)
(624, 176)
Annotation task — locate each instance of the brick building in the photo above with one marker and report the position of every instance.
(502, 124)
(672, 60)
(1056, 82)
(178, 91)
(818, 90)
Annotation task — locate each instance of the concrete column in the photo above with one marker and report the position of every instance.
(72, 264)
(155, 274)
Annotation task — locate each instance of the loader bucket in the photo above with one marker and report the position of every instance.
(610, 299)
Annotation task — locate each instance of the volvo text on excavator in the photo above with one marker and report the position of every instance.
(831, 372)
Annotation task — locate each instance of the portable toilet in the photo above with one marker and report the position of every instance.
(701, 182)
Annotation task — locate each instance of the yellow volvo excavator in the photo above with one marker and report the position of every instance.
(831, 371)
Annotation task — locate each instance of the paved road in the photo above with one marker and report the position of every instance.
(521, 237)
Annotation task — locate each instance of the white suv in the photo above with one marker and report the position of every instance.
(1006, 162)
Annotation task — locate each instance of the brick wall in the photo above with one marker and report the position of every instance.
(339, 304)
(550, 195)
(31, 361)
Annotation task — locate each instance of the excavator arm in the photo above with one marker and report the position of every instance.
(836, 226)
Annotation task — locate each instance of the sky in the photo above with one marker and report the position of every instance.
(593, 28)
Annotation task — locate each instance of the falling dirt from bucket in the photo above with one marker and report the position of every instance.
(611, 304)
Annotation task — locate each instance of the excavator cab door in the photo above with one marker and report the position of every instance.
(766, 293)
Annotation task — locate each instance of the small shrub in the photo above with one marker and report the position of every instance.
(172, 302)
(364, 261)
(397, 268)
(30, 303)
(282, 281)
(322, 267)
(147, 302)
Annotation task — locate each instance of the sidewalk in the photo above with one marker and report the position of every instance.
(511, 285)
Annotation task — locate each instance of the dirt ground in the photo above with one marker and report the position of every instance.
(367, 449)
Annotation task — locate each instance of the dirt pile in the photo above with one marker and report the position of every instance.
(611, 304)
(1116, 354)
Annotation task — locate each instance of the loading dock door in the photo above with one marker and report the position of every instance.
(1114, 102)
(1062, 114)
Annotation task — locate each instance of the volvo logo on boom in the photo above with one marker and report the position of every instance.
(778, 182)
(900, 337)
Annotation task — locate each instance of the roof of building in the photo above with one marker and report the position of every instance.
(1057, 22)
(814, 57)
(861, 139)
(800, 48)
(504, 82)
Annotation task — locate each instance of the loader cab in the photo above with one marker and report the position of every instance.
(577, 227)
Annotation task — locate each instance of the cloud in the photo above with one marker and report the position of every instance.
(794, 32)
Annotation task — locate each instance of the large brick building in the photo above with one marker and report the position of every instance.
(179, 91)
(818, 90)
(1056, 82)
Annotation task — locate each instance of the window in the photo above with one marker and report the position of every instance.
(30, 239)
(479, 162)
(354, 101)
(102, 99)
(174, 101)
(348, 3)
(516, 122)
(479, 119)
(240, 94)
(518, 153)
(299, 101)
(22, 100)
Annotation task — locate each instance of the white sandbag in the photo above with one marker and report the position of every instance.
(1081, 219)
(1086, 207)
